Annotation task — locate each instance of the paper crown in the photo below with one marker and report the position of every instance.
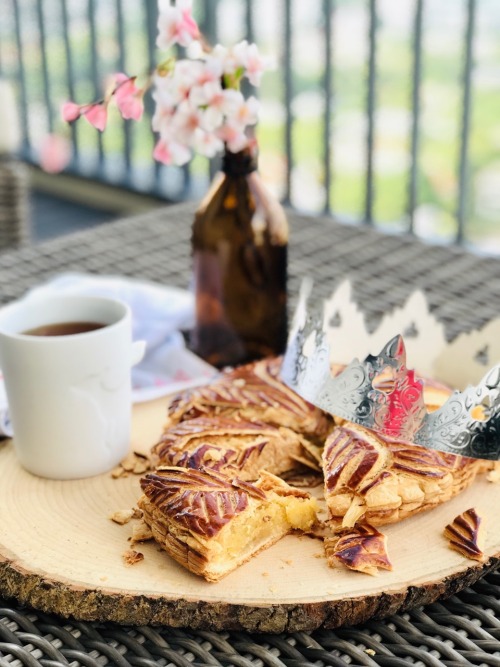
(381, 394)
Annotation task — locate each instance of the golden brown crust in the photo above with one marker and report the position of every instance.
(363, 549)
(466, 535)
(236, 447)
(383, 482)
(200, 501)
(253, 392)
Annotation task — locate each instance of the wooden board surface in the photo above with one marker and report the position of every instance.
(59, 552)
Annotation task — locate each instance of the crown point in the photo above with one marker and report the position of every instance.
(395, 349)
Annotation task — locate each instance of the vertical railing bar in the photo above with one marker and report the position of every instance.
(26, 142)
(120, 24)
(95, 70)
(370, 112)
(415, 105)
(246, 87)
(288, 94)
(151, 30)
(463, 172)
(327, 88)
(45, 67)
(1, 57)
(250, 31)
(70, 73)
(210, 33)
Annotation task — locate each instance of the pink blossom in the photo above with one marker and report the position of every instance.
(225, 59)
(171, 152)
(131, 107)
(207, 143)
(210, 72)
(185, 75)
(163, 93)
(70, 112)
(176, 24)
(97, 115)
(55, 153)
(162, 119)
(255, 64)
(245, 112)
(211, 96)
(128, 97)
(186, 120)
(233, 136)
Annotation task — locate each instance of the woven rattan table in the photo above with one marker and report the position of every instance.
(463, 291)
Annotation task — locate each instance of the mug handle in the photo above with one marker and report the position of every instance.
(137, 351)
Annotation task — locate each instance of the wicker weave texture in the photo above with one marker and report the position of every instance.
(463, 631)
(14, 204)
(462, 290)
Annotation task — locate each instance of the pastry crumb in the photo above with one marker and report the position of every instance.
(370, 651)
(135, 463)
(141, 532)
(122, 516)
(318, 555)
(132, 557)
(494, 474)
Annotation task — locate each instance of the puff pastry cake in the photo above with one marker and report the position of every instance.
(253, 392)
(235, 447)
(368, 477)
(211, 524)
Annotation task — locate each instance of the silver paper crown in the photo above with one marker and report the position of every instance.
(381, 394)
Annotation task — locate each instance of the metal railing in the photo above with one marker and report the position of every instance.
(62, 49)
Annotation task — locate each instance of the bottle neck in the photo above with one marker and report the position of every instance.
(238, 164)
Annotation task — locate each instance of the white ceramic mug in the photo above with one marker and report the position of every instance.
(69, 395)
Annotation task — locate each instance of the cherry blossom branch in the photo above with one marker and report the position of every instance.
(199, 105)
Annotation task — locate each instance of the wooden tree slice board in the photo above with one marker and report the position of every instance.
(59, 552)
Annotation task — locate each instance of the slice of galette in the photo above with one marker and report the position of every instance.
(236, 447)
(253, 392)
(370, 478)
(211, 524)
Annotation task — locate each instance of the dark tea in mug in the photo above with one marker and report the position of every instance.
(64, 329)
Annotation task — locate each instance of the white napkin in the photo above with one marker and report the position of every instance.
(159, 313)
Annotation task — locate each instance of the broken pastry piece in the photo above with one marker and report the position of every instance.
(466, 535)
(236, 447)
(253, 392)
(370, 478)
(362, 548)
(211, 524)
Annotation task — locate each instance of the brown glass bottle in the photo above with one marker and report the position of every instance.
(239, 243)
